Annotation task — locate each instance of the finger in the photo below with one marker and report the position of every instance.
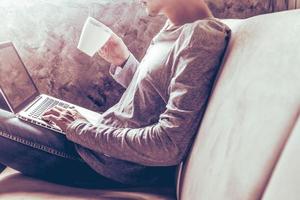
(75, 114)
(70, 117)
(73, 110)
(52, 111)
(61, 111)
(68, 112)
(103, 49)
(63, 119)
(59, 108)
(100, 52)
(61, 122)
(51, 118)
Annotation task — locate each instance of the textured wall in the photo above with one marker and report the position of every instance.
(239, 8)
(249, 8)
(46, 33)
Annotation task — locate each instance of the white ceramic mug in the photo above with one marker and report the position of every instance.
(93, 36)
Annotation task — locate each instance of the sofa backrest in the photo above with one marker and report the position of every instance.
(285, 180)
(251, 112)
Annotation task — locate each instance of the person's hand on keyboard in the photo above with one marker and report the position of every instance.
(62, 117)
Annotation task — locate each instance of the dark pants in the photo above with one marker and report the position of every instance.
(44, 154)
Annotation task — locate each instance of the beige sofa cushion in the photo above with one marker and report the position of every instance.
(285, 179)
(14, 186)
(250, 114)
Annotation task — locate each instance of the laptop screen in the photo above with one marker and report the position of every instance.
(15, 82)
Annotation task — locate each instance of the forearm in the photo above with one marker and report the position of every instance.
(150, 146)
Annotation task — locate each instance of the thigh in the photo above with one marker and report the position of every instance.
(42, 153)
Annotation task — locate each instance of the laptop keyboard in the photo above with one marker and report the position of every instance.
(46, 104)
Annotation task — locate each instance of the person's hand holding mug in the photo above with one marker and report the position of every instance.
(114, 51)
(97, 37)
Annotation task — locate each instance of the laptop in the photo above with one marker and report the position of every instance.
(22, 95)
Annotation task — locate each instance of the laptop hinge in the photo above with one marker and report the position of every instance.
(32, 103)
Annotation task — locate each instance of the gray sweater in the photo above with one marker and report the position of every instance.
(141, 139)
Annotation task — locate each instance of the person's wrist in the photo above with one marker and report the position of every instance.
(74, 124)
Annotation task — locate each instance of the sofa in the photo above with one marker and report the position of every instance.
(249, 139)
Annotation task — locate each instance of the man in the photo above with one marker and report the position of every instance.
(141, 139)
